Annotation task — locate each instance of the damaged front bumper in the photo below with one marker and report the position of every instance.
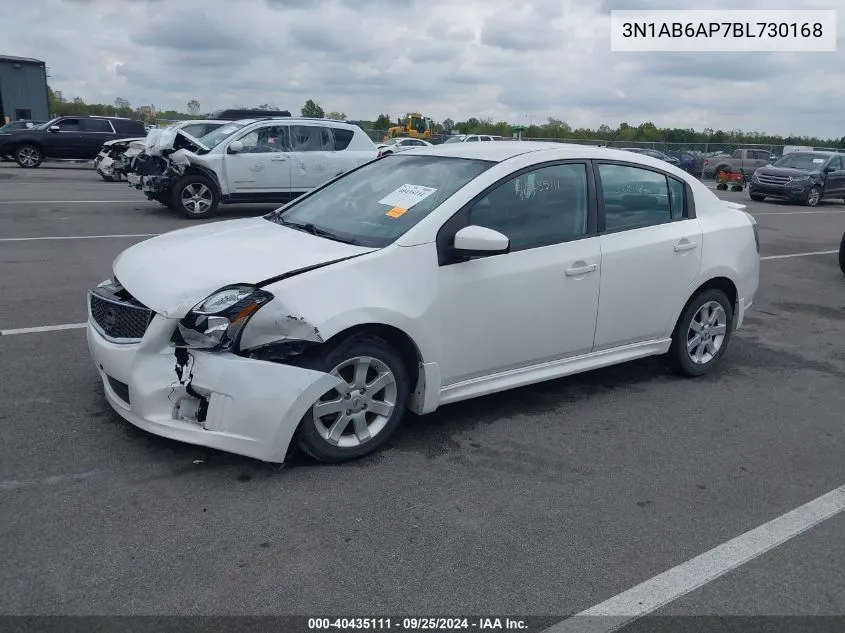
(220, 400)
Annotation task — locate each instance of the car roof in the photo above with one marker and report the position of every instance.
(821, 151)
(503, 150)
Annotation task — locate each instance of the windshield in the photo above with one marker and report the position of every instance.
(802, 161)
(215, 137)
(377, 203)
(46, 125)
(454, 139)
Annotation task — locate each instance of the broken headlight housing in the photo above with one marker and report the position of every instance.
(216, 322)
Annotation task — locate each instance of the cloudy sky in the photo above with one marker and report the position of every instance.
(511, 60)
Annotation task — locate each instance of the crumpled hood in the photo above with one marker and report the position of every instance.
(125, 141)
(173, 272)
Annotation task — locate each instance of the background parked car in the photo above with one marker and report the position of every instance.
(653, 153)
(743, 161)
(806, 177)
(250, 161)
(67, 137)
(690, 163)
(398, 144)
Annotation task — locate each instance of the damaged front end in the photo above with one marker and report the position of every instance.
(191, 379)
(114, 161)
(165, 156)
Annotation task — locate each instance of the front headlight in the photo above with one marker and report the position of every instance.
(217, 321)
(799, 178)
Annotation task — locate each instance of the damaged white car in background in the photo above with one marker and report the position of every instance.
(115, 159)
(395, 286)
(249, 161)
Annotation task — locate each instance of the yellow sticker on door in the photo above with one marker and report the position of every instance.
(396, 212)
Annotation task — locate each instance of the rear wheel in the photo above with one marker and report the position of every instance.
(702, 333)
(361, 415)
(842, 254)
(195, 196)
(28, 156)
(757, 197)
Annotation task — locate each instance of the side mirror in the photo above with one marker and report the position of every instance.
(55, 128)
(479, 241)
(235, 147)
(829, 169)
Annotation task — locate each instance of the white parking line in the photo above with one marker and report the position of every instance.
(74, 237)
(796, 212)
(13, 484)
(43, 328)
(664, 588)
(71, 201)
(799, 255)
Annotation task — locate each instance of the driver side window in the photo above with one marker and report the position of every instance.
(265, 140)
(538, 208)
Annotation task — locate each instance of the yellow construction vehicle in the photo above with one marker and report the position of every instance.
(414, 125)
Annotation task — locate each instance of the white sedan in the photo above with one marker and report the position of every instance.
(396, 145)
(414, 281)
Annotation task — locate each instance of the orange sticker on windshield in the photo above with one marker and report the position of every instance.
(396, 212)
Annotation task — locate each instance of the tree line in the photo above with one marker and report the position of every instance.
(552, 128)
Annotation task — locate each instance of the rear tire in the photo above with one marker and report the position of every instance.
(363, 421)
(842, 254)
(107, 178)
(28, 156)
(702, 334)
(757, 197)
(195, 196)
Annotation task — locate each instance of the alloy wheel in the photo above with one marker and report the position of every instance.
(706, 333)
(356, 411)
(28, 156)
(196, 198)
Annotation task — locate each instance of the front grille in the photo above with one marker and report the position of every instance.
(120, 319)
(121, 389)
(769, 179)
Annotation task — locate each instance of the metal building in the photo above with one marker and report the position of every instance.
(23, 89)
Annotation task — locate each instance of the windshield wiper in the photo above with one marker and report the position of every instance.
(310, 227)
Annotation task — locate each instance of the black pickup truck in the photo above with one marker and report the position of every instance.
(67, 137)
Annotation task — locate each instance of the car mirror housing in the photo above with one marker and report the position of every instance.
(479, 241)
(235, 147)
(55, 128)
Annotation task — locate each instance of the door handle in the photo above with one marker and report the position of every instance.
(580, 270)
(685, 245)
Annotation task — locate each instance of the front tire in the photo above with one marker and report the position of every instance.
(702, 334)
(28, 156)
(195, 196)
(814, 197)
(757, 197)
(359, 417)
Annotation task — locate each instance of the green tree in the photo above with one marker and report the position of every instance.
(193, 107)
(382, 122)
(340, 116)
(313, 110)
(448, 126)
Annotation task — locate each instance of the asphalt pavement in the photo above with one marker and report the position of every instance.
(545, 500)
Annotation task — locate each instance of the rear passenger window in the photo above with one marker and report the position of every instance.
(342, 138)
(98, 125)
(634, 197)
(678, 198)
(312, 138)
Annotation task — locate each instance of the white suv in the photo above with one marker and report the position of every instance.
(268, 160)
(472, 138)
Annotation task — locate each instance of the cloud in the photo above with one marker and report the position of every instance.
(511, 60)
